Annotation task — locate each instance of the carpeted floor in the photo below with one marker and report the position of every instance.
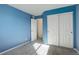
(38, 48)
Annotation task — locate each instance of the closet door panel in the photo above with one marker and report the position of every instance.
(61, 31)
(52, 29)
(66, 29)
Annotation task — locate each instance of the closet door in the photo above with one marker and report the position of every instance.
(66, 29)
(33, 29)
(52, 29)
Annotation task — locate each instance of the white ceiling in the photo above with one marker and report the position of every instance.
(37, 9)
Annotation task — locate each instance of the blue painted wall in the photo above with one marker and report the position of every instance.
(77, 27)
(37, 17)
(57, 11)
(15, 27)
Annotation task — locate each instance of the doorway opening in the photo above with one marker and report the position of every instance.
(40, 29)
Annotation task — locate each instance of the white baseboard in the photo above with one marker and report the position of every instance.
(14, 47)
(76, 50)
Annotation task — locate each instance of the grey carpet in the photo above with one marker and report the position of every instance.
(38, 48)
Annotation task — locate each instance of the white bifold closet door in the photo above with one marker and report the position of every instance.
(66, 29)
(60, 29)
(33, 29)
(52, 29)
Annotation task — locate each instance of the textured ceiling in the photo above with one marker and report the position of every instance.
(37, 9)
